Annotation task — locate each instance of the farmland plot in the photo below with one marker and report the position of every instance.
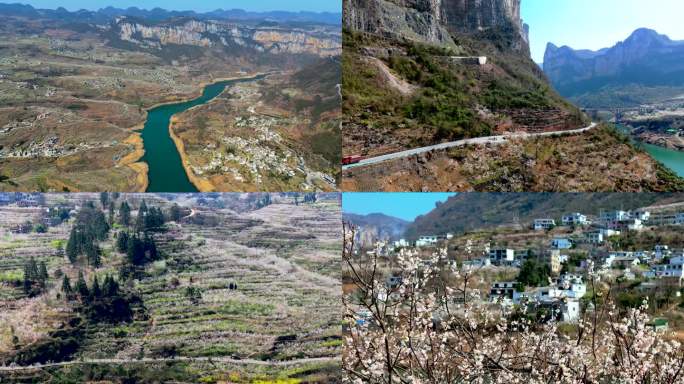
(239, 292)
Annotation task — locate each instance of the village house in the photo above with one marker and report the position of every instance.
(594, 237)
(658, 325)
(679, 219)
(575, 219)
(476, 263)
(661, 250)
(553, 259)
(564, 310)
(572, 286)
(503, 290)
(625, 262)
(29, 200)
(401, 243)
(394, 282)
(426, 241)
(561, 243)
(673, 269)
(544, 224)
(614, 216)
(641, 215)
(6, 198)
(501, 256)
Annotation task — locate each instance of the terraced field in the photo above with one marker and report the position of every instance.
(267, 308)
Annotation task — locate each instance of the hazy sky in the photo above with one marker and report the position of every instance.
(596, 24)
(405, 206)
(199, 5)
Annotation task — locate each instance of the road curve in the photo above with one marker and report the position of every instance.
(478, 140)
(179, 359)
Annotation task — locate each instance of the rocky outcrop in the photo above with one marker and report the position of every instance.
(417, 20)
(323, 41)
(431, 21)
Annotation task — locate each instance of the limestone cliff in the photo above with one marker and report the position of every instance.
(431, 21)
(323, 41)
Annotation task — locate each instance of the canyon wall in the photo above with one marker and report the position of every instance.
(322, 41)
(432, 21)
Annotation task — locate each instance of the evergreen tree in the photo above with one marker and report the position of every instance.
(111, 213)
(72, 247)
(82, 287)
(143, 207)
(150, 248)
(136, 251)
(96, 291)
(66, 286)
(104, 198)
(175, 213)
(125, 214)
(42, 272)
(93, 255)
(110, 287)
(140, 221)
(122, 241)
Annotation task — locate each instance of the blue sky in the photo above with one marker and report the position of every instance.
(200, 6)
(596, 24)
(405, 206)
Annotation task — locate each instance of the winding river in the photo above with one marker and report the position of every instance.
(671, 158)
(166, 172)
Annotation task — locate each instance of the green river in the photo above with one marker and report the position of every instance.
(672, 159)
(166, 172)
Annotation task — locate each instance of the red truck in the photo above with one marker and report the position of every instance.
(347, 160)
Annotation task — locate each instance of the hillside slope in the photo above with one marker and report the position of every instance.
(417, 73)
(407, 84)
(378, 226)
(470, 211)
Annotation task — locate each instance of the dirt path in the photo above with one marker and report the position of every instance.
(394, 82)
(179, 359)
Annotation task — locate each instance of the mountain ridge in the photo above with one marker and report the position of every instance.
(157, 13)
(645, 58)
(470, 211)
(377, 226)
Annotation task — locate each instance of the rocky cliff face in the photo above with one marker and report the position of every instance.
(322, 41)
(432, 20)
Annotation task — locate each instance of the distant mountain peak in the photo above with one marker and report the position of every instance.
(589, 78)
(645, 36)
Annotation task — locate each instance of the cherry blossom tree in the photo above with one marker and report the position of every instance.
(410, 323)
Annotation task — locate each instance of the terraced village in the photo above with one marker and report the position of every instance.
(76, 88)
(542, 288)
(239, 288)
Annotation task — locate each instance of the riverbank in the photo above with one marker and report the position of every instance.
(201, 184)
(202, 85)
(672, 142)
(132, 161)
(670, 158)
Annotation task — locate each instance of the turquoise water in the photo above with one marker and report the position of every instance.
(166, 172)
(669, 157)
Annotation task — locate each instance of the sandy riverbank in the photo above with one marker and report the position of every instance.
(132, 160)
(202, 185)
